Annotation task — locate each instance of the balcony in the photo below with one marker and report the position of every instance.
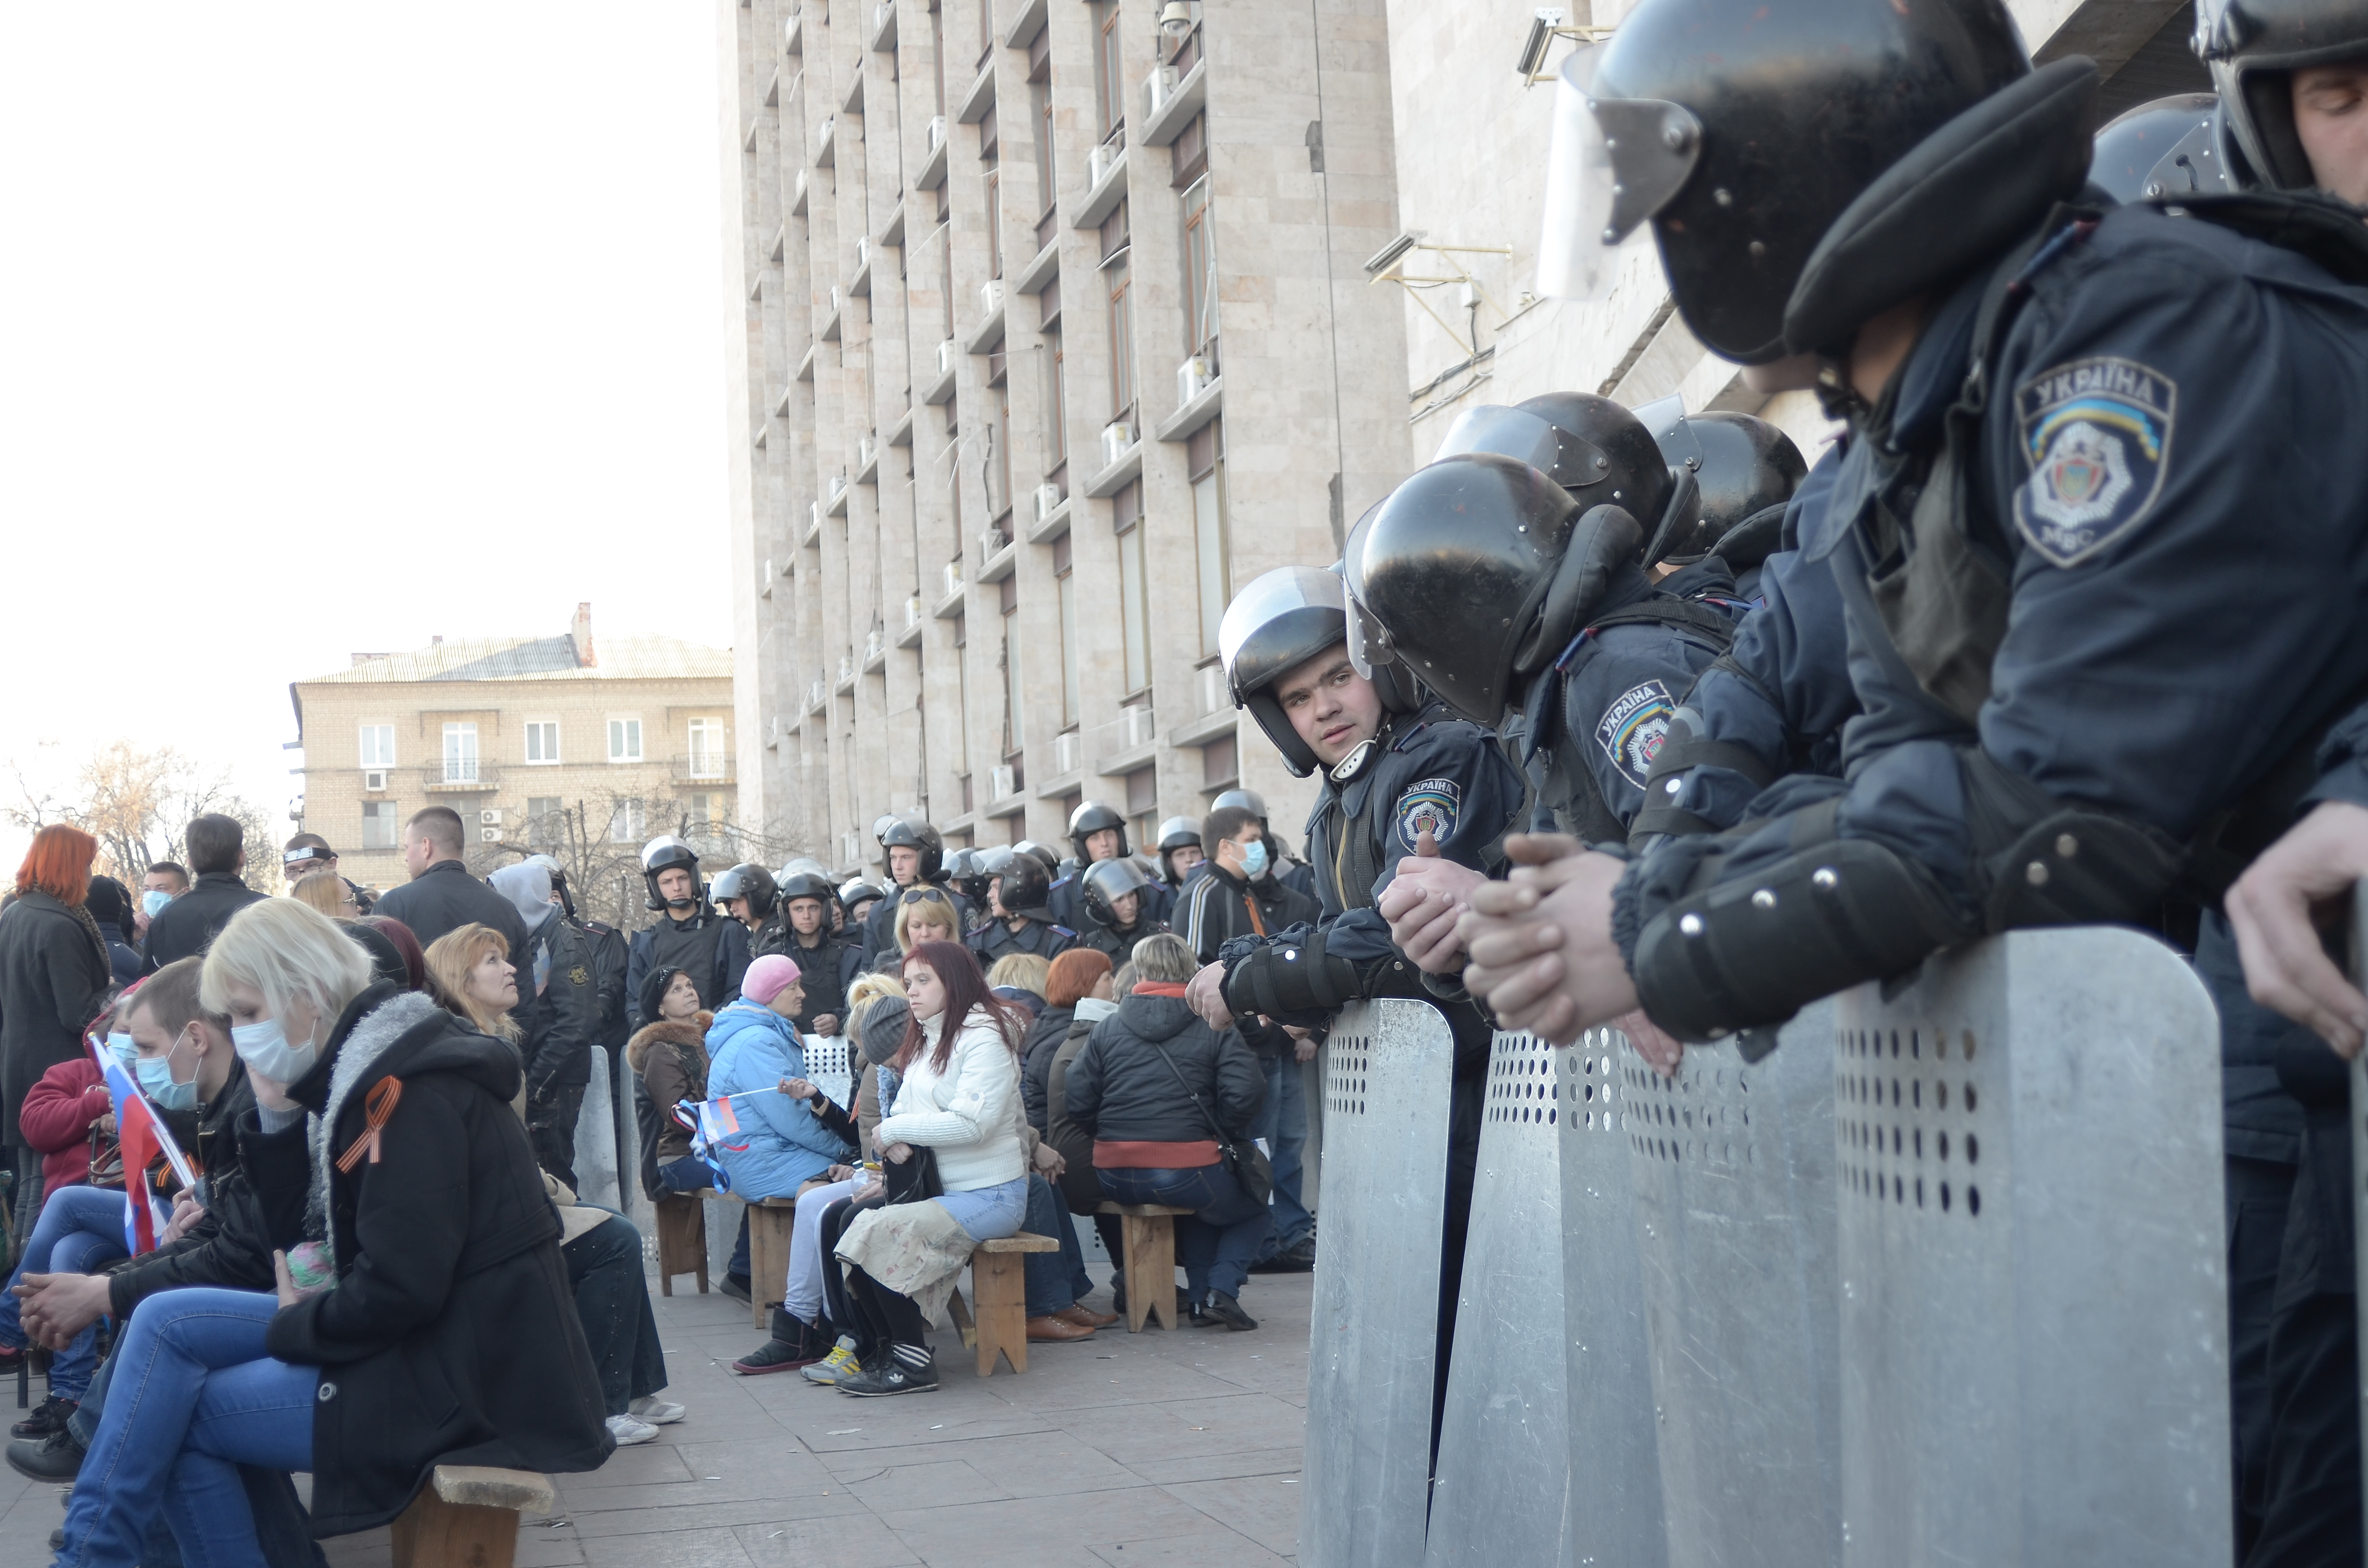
(1051, 519)
(875, 651)
(1106, 182)
(1217, 714)
(981, 96)
(471, 776)
(701, 767)
(989, 335)
(941, 388)
(1126, 743)
(1200, 396)
(836, 504)
(1171, 104)
(861, 283)
(882, 37)
(933, 162)
(1122, 457)
(867, 460)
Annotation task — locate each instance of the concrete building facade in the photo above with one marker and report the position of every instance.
(542, 743)
(1049, 330)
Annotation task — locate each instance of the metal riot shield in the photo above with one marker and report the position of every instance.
(597, 1180)
(828, 1057)
(1504, 1454)
(2034, 1291)
(1614, 1500)
(1388, 1072)
(1733, 1166)
(2360, 1146)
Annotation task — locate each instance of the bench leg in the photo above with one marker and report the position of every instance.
(433, 1533)
(769, 1259)
(964, 1324)
(1150, 1270)
(1000, 1282)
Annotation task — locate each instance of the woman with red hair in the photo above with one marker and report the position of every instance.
(54, 979)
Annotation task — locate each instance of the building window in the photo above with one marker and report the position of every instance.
(1121, 336)
(461, 754)
(704, 826)
(543, 822)
(1056, 404)
(542, 740)
(995, 468)
(378, 746)
(995, 219)
(624, 740)
(707, 755)
(1109, 70)
(1200, 258)
(1133, 604)
(1067, 581)
(625, 822)
(962, 678)
(1040, 101)
(1205, 463)
(1015, 728)
(380, 826)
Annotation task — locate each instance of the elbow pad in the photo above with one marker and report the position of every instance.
(1754, 951)
(1284, 979)
(1682, 751)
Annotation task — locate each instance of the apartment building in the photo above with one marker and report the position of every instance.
(542, 743)
(1053, 331)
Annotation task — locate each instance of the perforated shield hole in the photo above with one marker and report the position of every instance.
(1895, 1127)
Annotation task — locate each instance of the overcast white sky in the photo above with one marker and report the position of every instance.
(415, 313)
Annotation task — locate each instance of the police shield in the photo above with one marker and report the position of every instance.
(1615, 1499)
(1504, 1454)
(1733, 1166)
(1386, 1080)
(2034, 1309)
(827, 1059)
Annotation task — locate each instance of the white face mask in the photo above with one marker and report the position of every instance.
(264, 1047)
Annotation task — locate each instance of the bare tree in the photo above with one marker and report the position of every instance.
(598, 843)
(137, 802)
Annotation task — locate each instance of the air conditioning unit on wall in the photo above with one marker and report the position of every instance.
(1117, 436)
(1191, 378)
(489, 834)
(1068, 752)
(489, 818)
(374, 779)
(1048, 501)
(1002, 783)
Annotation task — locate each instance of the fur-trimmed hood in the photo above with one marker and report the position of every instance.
(687, 1035)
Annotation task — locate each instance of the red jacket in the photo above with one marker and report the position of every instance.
(57, 1117)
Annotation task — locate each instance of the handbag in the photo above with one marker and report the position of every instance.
(106, 1160)
(1244, 1161)
(913, 1180)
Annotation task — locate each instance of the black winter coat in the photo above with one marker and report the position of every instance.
(1044, 1038)
(191, 921)
(1119, 1091)
(53, 979)
(828, 971)
(445, 897)
(570, 1012)
(229, 1245)
(452, 1336)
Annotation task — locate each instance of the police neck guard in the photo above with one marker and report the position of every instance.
(1960, 197)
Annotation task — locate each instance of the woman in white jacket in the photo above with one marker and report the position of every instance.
(959, 1098)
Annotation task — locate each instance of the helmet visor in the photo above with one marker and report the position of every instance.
(1613, 163)
(1281, 620)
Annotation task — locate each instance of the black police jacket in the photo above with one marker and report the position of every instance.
(825, 971)
(559, 1053)
(1040, 935)
(696, 946)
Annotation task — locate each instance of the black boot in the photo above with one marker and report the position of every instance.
(1221, 1309)
(795, 1343)
(54, 1458)
(48, 1417)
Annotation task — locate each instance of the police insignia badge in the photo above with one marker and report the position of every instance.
(579, 975)
(1433, 804)
(1632, 728)
(2097, 436)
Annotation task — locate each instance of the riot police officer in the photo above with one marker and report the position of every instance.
(1018, 888)
(1180, 853)
(1117, 896)
(826, 968)
(1096, 834)
(688, 933)
(750, 901)
(916, 853)
(1401, 775)
(851, 918)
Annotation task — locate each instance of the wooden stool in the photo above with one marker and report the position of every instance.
(770, 1220)
(1149, 1238)
(466, 1516)
(682, 1238)
(998, 1283)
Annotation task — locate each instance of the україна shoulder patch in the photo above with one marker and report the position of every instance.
(1432, 804)
(1632, 728)
(2097, 436)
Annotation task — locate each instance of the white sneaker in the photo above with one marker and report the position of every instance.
(628, 1429)
(656, 1411)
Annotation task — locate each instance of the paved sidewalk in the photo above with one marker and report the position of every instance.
(1119, 1452)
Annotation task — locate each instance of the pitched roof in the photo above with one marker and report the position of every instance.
(539, 658)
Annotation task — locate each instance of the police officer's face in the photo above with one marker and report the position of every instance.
(673, 886)
(1103, 844)
(1333, 709)
(2331, 112)
(903, 864)
(740, 909)
(1126, 906)
(1181, 860)
(805, 915)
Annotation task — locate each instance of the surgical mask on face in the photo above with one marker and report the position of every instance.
(124, 1050)
(155, 1074)
(1254, 860)
(154, 900)
(264, 1047)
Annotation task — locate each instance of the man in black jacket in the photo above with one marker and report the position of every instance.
(826, 968)
(217, 854)
(441, 897)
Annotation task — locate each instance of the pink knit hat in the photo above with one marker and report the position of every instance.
(768, 978)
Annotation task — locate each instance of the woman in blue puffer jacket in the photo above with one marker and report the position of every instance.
(752, 1045)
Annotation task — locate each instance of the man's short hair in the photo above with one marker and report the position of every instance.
(170, 996)
(173, 869)
(1223, 822)
(215, 843)
(440, 826)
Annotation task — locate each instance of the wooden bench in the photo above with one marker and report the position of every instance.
(682, 1237)
(998, 1283)
(1149, 1240)
(769, 1221)
(466, 1516)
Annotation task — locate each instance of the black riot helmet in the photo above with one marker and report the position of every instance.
(1744, 470)
(855, 895)
(2253, 48)
(807, 884)
(665, 853)
(1479, 570)
(1278, 623)
(2171, 147)
(1807, 167)
(911, 833)
(1042, 854)
(1090, 818)
(965, 877)
(1027, 881)
(1597, 450)
(1107, 882)
(1178, 831)
(751, 881)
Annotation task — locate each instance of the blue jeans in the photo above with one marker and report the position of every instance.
(1056, 1281)
(1220, 1239)
(613, 1302)
(686, 1174)
(80, 1228)
(1283, 1122)
(193, 1396)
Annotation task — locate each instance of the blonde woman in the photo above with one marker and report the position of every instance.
(326, 892)
(923, 914)
(470, 975)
